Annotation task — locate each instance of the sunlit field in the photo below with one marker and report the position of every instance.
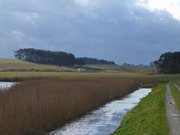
(14, 65)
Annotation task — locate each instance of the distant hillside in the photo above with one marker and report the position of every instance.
(8, 65)
(20, 65)
(124, 69)
(89, 61)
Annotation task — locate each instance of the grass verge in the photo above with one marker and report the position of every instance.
(148, 117)
(176, 95)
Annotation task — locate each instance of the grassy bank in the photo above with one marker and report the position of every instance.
(175, 94)
(40, 105)
(148, 117)
(7, 65)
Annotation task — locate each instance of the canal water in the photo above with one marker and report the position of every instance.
(106, 119)
(6, 85)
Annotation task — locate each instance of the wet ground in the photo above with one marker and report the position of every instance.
(104, 120)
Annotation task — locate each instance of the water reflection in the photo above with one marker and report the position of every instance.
(104, 120)
(6, 85)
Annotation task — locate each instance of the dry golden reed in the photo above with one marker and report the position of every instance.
(38, 106)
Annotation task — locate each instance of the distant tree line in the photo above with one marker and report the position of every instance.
(133, 65)
(169, 63)
(55, 58)
(95, 61)
(45, 57)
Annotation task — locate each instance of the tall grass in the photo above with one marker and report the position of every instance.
(37, 106)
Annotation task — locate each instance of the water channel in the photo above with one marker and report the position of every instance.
(6, 85)
(104, 120)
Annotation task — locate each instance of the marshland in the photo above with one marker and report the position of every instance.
(89, 67)
(39, 102)
(37, 106)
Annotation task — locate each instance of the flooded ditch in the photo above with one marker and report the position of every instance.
(104, 120)
(6, 85)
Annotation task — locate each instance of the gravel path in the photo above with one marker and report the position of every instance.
(172, 113)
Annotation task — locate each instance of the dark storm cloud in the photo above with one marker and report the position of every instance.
(110, 29)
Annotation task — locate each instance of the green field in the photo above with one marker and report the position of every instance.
(12, 68)
(124, 69)
(148, 117)
(19, 65)
(14, 65)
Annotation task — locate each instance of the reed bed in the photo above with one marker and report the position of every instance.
(35, 107)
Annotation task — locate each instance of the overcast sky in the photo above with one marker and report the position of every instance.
(131, 31)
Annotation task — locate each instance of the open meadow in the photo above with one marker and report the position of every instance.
(17, 70)
(14, 65)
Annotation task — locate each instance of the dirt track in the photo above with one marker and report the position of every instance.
(172, 113)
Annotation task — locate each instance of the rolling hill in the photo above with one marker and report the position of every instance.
(7, 65)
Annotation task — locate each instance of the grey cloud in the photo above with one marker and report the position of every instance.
(110, 29)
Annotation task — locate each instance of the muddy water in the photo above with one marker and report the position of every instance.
(6, 85)
(104, 120)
